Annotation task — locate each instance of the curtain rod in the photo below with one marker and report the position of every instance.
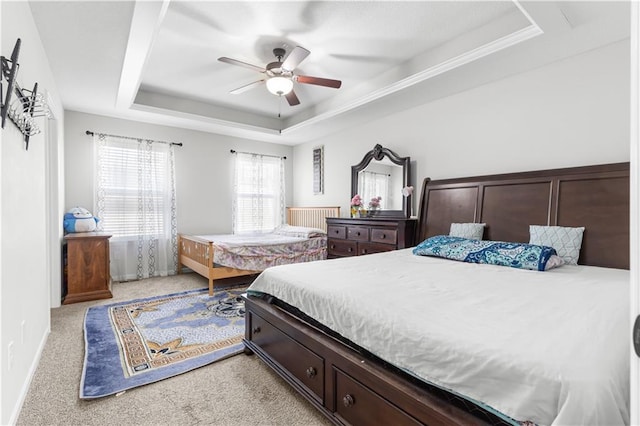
(90, 133)
(233, 151)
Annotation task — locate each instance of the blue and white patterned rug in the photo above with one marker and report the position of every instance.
(130, 344)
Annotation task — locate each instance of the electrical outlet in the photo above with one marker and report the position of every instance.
(10, 355)
(23, 326)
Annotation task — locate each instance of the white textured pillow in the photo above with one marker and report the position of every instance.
(472, 231)
(567, 241)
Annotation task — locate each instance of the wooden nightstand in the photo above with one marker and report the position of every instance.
(357, 237)
(87, 265)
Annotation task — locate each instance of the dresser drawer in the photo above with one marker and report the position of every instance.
(384, 236)
(341, 247)
(359, 405)
(305, 366)
(358, 233)
(337, 231)
(370, 248)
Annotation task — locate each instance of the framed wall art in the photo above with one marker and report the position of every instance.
(318, 170)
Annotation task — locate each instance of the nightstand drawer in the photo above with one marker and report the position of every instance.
(385, 236)
(341, 247)
(337, 232)
(358, 233)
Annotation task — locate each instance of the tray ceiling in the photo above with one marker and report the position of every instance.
(158, 61)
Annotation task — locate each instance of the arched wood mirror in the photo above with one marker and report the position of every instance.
(382, 173)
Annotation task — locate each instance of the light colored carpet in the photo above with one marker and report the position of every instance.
(240, 390)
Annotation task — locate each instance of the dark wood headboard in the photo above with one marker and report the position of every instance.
(596, 197)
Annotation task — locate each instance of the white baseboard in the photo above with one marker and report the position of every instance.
(27, 384)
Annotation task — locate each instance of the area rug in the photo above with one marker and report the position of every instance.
(130, 344)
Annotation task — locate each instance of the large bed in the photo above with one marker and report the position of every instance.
(225, 256)
(395, 338)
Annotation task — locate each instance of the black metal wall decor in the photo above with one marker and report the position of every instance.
(9, 72)
(28, 103)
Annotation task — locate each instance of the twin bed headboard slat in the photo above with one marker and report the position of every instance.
(312, 217)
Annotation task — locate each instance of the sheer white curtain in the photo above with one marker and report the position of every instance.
(373, 184)
(258, 193)
(136, 203)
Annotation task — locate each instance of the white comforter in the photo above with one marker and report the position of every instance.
(549, 347)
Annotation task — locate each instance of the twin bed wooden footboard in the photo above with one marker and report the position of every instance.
(197, 253)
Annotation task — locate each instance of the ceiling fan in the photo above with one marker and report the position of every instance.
(279, 76)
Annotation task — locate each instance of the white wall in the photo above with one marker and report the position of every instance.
(570, 113)
(203, 168)
(25, 251)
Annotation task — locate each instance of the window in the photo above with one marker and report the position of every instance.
(123, 212)
(259, 194)
(136, 204)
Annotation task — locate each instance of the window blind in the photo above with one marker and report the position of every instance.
(124, 212)
(258, 193)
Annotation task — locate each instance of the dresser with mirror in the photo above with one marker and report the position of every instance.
(381, 173)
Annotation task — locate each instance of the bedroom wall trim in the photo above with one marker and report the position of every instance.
(530, 31)
(24, 389)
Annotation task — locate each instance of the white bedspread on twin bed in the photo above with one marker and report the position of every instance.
(549, 347)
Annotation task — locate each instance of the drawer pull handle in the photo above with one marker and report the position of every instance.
(350, 250)
(364, 251)
(333, 246)
(256, 330)
(358, 233)
(311, 372)
(383, 236)
(348, 400)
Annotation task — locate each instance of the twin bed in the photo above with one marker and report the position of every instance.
(397, 338)
(215, 257)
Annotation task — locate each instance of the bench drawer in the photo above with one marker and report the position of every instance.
(306, 367)
(359, 405)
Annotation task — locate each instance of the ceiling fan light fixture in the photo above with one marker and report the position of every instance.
(279, 85)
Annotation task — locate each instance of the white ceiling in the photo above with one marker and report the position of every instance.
(157, 61)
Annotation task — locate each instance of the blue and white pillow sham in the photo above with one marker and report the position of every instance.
(515, 255)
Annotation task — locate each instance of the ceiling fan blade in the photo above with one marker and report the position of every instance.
(246, 87)
(326, 82)
(296, 56)
(241, 64)
(292, 98)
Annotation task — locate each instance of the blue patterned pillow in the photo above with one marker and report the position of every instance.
(515, 255)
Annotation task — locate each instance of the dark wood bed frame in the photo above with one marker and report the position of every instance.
(351, 387)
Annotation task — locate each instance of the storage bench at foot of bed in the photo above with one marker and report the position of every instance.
(346, 387)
